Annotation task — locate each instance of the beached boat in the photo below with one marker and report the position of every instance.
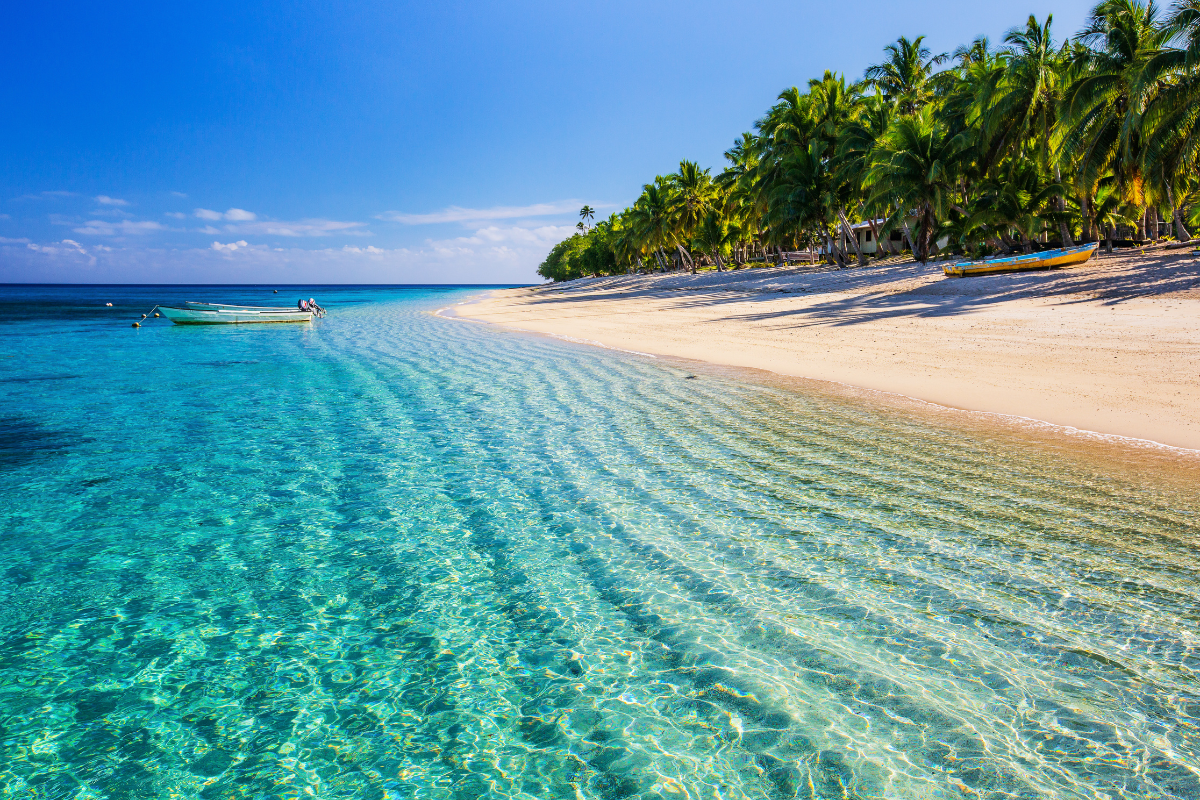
(236, 315)
(1047, 259)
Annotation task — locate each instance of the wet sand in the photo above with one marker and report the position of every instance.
(1111, 347)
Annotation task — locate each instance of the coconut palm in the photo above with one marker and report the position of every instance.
(1025, 110)
(1108, 93)
(713, 235)
(1171, 123)
(653, 219)
(1019, 200)
(914, 171)
(695, 195)
(906, 76)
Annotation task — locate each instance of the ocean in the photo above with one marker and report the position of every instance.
(391, 554)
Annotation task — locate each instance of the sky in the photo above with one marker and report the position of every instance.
(364, 142)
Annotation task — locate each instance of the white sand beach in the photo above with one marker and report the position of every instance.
(1112, 346)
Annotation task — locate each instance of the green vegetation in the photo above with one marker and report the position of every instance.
(990, 149)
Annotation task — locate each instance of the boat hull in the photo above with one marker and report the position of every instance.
(231, 316)
(192, 304)
(1050, 259)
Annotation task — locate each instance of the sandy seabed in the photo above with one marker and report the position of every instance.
(1111, 347)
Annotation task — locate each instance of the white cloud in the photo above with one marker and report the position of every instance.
(304, 227)
(105, 200)
(100, 227)
(6, 240)
(234, 214)
(176, 215)
(179, 194)
(491, 254)
(5, 216)
(465, 215)
(67, 247)
(209, 229)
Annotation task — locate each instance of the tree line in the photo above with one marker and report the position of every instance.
(984, 150)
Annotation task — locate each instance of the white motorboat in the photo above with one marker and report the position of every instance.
(210, 314)
(197, 304)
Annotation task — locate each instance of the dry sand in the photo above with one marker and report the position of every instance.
(1112, 346)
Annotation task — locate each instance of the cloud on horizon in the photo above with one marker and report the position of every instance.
(105, 200)
(492, 254)
(468, 215)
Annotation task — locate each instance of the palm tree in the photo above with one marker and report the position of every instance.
(652, 219)
(1026, 107)
(905, 77)
(856, 148)
(1020, 200)
(1104, 102)
(978, 50)
(1171, 123)
(714, 234)
(586, 215)
(915, 172)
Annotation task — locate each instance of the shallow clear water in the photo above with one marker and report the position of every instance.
(396, 555)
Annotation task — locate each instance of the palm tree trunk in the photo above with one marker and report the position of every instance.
(1063, 230)
(1181, 233)
(686, 258)
(853, 237)
(880, 251)
(830, 249)
(1141, 226)
(716, 254)
(926, 234)
(1085, 209)
(912, 245)
(1152, 223)
(1108, 237)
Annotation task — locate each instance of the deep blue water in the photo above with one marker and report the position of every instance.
(390, 554)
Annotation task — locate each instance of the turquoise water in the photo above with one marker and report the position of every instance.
(393, 555)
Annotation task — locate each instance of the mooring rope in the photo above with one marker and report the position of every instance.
(139, 324)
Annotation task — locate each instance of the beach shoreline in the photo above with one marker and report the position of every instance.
(1111, 348)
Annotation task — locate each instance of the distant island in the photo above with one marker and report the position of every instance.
(985, 150)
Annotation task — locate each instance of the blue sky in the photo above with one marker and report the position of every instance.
(389, 142)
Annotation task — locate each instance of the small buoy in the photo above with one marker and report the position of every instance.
(143, 316)
(276, 292)
(137, 324)
(157, 314)
(108, 304)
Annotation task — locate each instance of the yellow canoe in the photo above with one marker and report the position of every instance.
(1047, 259)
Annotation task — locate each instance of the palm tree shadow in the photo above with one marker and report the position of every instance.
(1164, 276)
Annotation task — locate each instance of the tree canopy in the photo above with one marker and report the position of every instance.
(1033, 143)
